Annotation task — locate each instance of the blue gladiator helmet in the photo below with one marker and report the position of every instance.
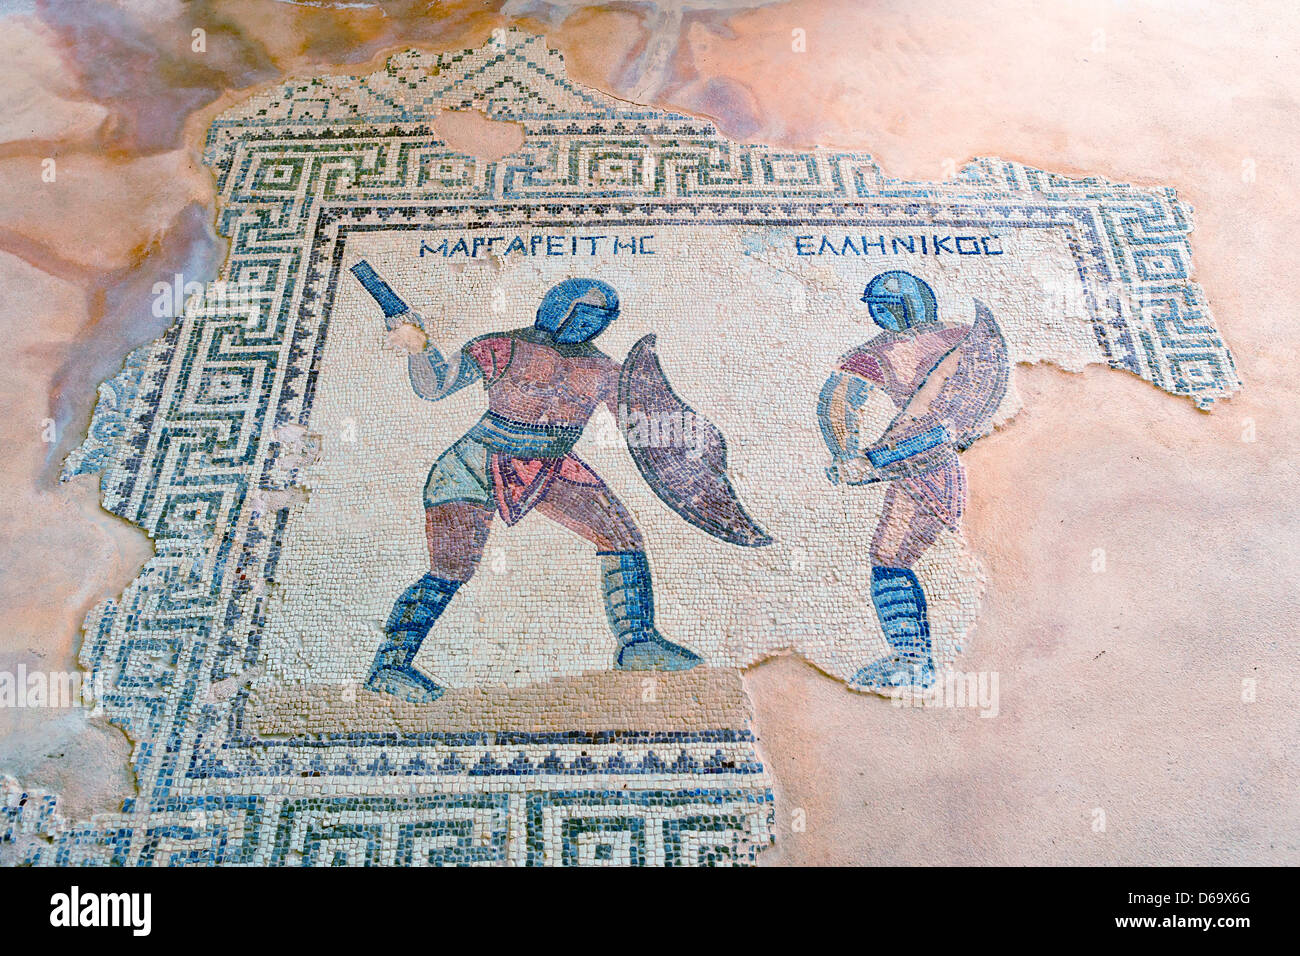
(577, 310)
(899, 300)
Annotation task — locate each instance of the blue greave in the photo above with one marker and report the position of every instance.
(629, 594)
(413, 614)
(630, 606)
(900, 605)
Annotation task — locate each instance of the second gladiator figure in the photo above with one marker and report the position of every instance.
(883, 425)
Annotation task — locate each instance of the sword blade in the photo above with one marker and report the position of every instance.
(394, 307)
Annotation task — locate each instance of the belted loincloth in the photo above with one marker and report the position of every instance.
(507, 463)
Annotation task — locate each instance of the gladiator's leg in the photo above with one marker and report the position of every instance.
(906, 529)
(457, 532)
(588, 508)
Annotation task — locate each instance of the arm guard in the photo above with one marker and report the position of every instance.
(433, 378)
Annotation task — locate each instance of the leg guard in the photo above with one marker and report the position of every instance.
(408, 625)
(629, 602)
(900, 605)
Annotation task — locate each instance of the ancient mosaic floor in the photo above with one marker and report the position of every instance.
(761, 453)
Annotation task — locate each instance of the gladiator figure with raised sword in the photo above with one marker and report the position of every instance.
(543, 383)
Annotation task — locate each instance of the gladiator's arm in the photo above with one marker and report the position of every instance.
(432, 376)
(853, 471)
(885, 462)
(851, 408)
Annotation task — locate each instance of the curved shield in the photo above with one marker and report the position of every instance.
(680, 453)
(925, 433)
(971, 395)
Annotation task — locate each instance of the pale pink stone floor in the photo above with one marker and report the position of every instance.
(1120, 691)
